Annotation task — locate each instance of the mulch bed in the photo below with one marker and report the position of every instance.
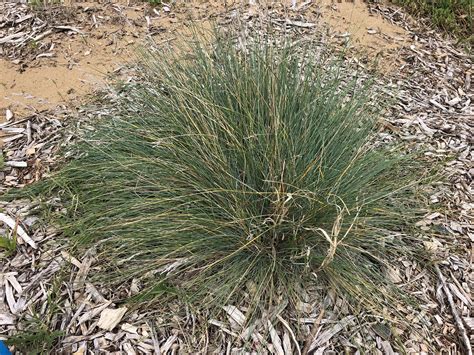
(43, 285)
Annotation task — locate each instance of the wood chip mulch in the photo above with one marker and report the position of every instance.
(44, 286)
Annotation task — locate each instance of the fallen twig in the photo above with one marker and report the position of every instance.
(313, 334)
(11, 37)
(454, 311)
(42, 35)
(287, 326)
(69, 28)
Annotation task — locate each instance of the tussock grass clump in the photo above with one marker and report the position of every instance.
(242, 177)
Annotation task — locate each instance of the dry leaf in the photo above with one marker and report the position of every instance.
(393, 275)
(235, 314)
(276, 341)
(109, 318)
(127, 327)
(8, 114)
(432, 245)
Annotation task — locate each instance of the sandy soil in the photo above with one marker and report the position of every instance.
(75, 64)
(47, 86)
(370, 33)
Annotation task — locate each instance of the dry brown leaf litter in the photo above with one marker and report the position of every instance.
(433, 110)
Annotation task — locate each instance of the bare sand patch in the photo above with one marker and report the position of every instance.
(369, 30)
(73, 63)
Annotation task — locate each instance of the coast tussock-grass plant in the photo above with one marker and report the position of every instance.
(243, 177)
